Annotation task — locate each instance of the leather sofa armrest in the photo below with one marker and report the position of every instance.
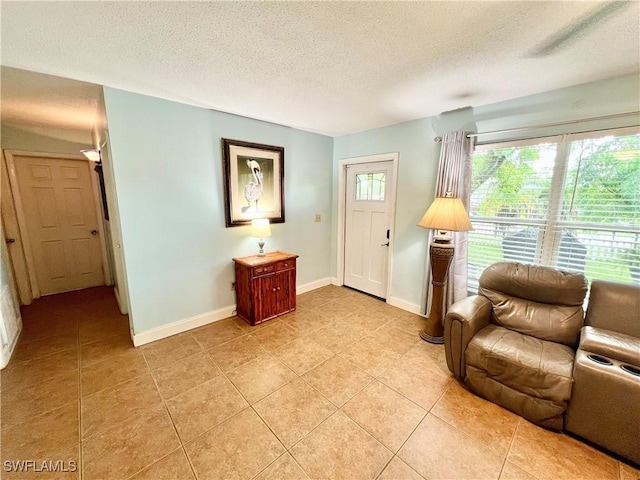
(613, 345)
(463, 320)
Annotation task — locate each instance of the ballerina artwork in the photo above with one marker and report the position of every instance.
(253, 190)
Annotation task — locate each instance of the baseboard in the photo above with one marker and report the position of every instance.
(334, 281)
(186, 324)
(307, 287)
(404, 305)
(183, 325)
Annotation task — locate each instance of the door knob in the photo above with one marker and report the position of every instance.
(94, 232)
(385, 244)
(10, 240)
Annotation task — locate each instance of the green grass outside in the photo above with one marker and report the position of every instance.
(489, 252)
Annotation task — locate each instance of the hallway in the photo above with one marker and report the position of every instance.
(42, 383)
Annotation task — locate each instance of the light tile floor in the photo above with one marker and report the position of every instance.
(341, 389)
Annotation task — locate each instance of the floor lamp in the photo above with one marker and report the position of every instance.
(446, 214)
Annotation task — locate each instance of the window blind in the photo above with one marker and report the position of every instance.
(570, 202)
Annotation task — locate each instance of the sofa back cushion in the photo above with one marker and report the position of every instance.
(614, 306)
(538, 301)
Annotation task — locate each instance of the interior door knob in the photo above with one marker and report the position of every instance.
(94, 232)
(10, 240)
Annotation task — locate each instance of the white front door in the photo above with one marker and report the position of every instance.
(60, 214)
(368, 203)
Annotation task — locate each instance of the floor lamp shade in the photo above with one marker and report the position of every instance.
(444, 214)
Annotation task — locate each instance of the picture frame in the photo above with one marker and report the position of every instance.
(253, 182)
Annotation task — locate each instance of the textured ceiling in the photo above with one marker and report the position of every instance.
(329, 67)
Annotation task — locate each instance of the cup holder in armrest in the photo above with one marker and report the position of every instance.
(599, 359)
(631, 369)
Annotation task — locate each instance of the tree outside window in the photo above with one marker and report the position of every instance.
(572, 203)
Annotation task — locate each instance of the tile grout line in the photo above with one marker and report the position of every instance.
(250, 405)
(191, 465)
(506, 456)
(162, 399)
(222, 373)
(427, 411)
(152, 464)
(175, 428)
(513, 440)
(288, 450)
(80, 403)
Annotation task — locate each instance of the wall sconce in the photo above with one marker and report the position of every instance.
(445, 214)
(261, 229)
(92, 154)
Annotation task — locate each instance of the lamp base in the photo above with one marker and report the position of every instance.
(440, 256)
(261, 245)
(431, 339)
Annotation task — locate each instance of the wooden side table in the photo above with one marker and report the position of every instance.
(265, 286)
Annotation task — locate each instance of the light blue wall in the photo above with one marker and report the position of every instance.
(168, 174)
(419, 155)
(416, 183)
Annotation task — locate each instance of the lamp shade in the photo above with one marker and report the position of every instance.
(260, 228)
(446, 213)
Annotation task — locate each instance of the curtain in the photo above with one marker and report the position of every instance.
(454, 175)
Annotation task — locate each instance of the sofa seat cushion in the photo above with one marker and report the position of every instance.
(613, 345)
(534, 367)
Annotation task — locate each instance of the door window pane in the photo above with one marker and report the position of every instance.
(370, 186)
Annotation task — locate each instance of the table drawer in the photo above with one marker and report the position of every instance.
(286, 264)
(263, 269)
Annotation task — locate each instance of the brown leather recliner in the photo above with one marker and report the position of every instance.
(605, 401)
(514, 343)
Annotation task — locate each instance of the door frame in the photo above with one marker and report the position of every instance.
(342, 200)
(23, 233)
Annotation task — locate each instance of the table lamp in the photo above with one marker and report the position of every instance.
(260, 229)
(446, 214)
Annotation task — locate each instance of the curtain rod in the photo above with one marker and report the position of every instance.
(544, 125)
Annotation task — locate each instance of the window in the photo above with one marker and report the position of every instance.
(571, 202)
(370, 186)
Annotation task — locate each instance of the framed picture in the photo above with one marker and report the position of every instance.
(253, 182)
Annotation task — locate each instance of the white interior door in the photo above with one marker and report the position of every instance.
(10, 321)
(368, 207)
(60, 215)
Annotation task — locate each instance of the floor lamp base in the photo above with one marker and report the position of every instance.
(431, 339)
(441, 255)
